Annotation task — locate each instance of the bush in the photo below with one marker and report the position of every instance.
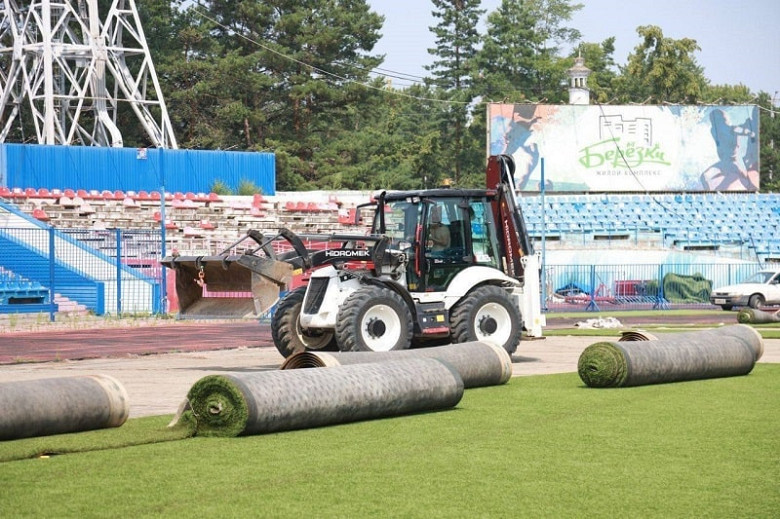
(221, 188)
(247, 187)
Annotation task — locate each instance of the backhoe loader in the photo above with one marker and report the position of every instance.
(438, 266)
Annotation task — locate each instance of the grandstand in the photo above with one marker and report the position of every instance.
(599, 247)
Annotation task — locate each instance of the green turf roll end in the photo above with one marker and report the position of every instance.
(218, 407)
(603, 365)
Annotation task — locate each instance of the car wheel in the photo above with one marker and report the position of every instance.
(756, 301)
(289, 338)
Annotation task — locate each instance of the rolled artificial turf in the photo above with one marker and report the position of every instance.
(755, 316)
(61, 405)
(270, 401)
(478, 363)
(727, 351)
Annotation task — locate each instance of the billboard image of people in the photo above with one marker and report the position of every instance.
(628, 148)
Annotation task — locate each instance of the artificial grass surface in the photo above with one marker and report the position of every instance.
(541, 446)
(139, 431)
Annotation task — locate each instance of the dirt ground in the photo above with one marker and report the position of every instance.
(158, 364)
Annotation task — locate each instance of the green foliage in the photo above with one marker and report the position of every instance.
(248, 187)
(540, 446)
(221, 188)
(662, 69)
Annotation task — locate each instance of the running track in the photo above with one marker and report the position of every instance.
(123, 342)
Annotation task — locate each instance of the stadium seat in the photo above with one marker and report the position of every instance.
(40, 214)
(5, 192)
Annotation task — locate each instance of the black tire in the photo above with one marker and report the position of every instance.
(727, 307)
(756, 301)
(374, 319)
(487, 314)
(289, 338)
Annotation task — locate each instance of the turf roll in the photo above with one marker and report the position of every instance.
(722, 352)
(755, 316)
(479, 363)
(61, 405)
(270, 401)
(636, 335)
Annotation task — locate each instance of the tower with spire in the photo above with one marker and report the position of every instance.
(578, 82)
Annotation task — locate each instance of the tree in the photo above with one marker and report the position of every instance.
(279, 75)
(521, 49)
(452, 69)
(663, 69)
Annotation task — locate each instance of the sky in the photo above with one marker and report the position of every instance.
(739, 40)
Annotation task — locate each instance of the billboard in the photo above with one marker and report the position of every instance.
(628, 148)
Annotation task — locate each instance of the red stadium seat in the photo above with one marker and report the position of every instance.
(213, 197)
(83, 194)
(178, 195)
(31, 192)
(5, 192)
(107, 195)
(143, 195)
(119, 195)
(40, 214)
(207, 225)
(157, 216)
(255, 211)
(155, 195)
(258, 200)
(70, 193)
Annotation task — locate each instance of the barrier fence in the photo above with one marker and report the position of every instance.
(117, 272)
(638, 286)
(112, 272)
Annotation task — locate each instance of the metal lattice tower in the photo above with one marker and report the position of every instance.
(74, 70)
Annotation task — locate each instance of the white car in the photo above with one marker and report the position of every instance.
(762, 288)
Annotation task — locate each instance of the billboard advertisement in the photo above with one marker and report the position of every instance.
(628, 148)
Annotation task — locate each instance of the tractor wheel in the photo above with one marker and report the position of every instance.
(374, 319)
(287, 333)
(756, 301)
(487, 314)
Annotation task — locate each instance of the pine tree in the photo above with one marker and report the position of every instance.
(453, 68)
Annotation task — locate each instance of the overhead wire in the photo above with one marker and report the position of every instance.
(322, 71)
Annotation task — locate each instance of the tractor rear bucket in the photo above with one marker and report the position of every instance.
(233, 285)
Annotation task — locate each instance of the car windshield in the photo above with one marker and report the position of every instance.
(760, 277)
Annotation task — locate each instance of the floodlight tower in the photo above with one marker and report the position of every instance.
(73, 71)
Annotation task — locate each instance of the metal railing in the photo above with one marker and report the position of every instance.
(111, 272)
(637, 286)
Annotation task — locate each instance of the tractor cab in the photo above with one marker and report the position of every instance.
(442, 232)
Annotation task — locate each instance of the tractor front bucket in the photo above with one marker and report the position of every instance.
(228, 286)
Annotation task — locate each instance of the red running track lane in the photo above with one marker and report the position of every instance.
(47, 346)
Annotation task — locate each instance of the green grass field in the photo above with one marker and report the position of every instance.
(541, 446)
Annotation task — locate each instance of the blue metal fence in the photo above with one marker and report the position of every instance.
(104, 271)
(638, 286)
